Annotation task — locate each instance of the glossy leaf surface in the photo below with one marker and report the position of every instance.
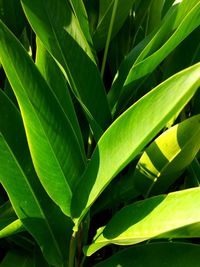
(128, 135)
(56, 156)
(150, 219)
(166, 158)
(39, 215)
(56, 80)
(60, 32)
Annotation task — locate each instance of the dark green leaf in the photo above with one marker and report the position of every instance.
(105, 13)
(155, 255)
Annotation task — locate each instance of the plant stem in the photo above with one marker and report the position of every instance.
(109, 37)
(72, 250)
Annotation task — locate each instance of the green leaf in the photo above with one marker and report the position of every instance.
(17, 258)
(39, 215)
(56, 80)
(171, 254)
(194, 171)
(176, 62)
(189, 23)
(180, 21)
(129, 134)
(154, 16)
(167, 157)
(39, 259)
(12, 15)
(14, 227)
(59, 30)
(121, 190)
(147, 65)
(56, 155)
(150, 219)
(81, 14)
(9, 223)
(105, 13)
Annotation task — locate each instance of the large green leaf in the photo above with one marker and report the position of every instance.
(128, 135)
(105, 13)
(53, 144)
(59, 30)
(150, 219)
(166, 158)
(56, 80)
(157, 254)
(39, 215)
(180, 21)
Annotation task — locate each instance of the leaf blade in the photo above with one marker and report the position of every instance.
(149, 219)
(167, 157)
(45, 123)
(28, 198)
(61, 35)
(127, 135)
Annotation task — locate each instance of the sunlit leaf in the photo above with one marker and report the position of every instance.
(150, 219)
(167, 157)
(56, 155)
(35, 210)
(60, 32)
(128, 135)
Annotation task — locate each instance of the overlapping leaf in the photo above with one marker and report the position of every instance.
(180, 21)
(81, 14)
(56, 80)
(166, 158)
(53, 144)
(58, 29)
(149, 219)
(128, 135)
(36, 211)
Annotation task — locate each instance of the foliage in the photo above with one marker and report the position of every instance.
(99, 133)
